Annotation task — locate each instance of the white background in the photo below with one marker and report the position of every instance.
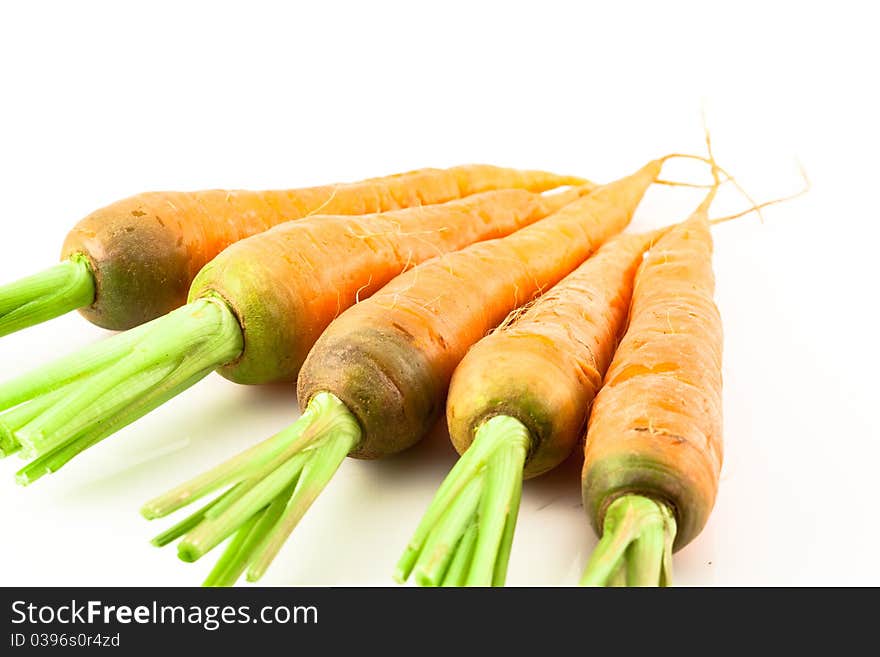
(100, 100)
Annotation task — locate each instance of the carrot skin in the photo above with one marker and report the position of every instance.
(145, 250)
(390, 359)
(546, 366)
(655, 427)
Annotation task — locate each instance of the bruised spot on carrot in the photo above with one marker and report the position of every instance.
(397, 326)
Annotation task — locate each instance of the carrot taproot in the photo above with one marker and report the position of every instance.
(521, 395)
(376, 379)
(653, 449)
(134, 260)
(255, 311)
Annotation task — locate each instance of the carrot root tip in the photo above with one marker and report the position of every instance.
(44, 296)
(269, 488)
(465, 536)
(57, 411)
(636, 545)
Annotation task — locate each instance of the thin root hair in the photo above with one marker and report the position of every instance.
(323, 205)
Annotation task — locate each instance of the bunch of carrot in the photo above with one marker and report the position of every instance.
(476, 289)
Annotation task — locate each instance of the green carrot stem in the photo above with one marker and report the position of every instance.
(669, 539)
(499, 577)
(68, 369)
(110, 385)
(456, 575)
(440, 547)
(503, 473)
(176, 531)
(236, 564)
(14, 419)
(267, 454)
(292, 467)
(636, 545)
(224, 569)
(188, 340)
(212, 531)
(644, 559)
(451, 488)
(59, 456)
(57, 425)
(51, 293)
(8, 443)
(324, 460)
(618, 577)
(484, 488)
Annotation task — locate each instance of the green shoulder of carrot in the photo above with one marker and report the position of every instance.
(133, 261)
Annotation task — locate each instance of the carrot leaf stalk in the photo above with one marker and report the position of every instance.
(464, 537)
(44, 296)
(269, 488)
(636, 545)
(55, 412)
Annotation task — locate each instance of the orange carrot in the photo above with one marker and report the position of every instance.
(135, 259)
(517, 405)
(375, 381)
(653, 449)
(255, 311)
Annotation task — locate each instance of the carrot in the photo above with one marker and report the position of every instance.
(255, 311)
(375, 381)
(654, 449)
(517, 405)
(134, 260)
